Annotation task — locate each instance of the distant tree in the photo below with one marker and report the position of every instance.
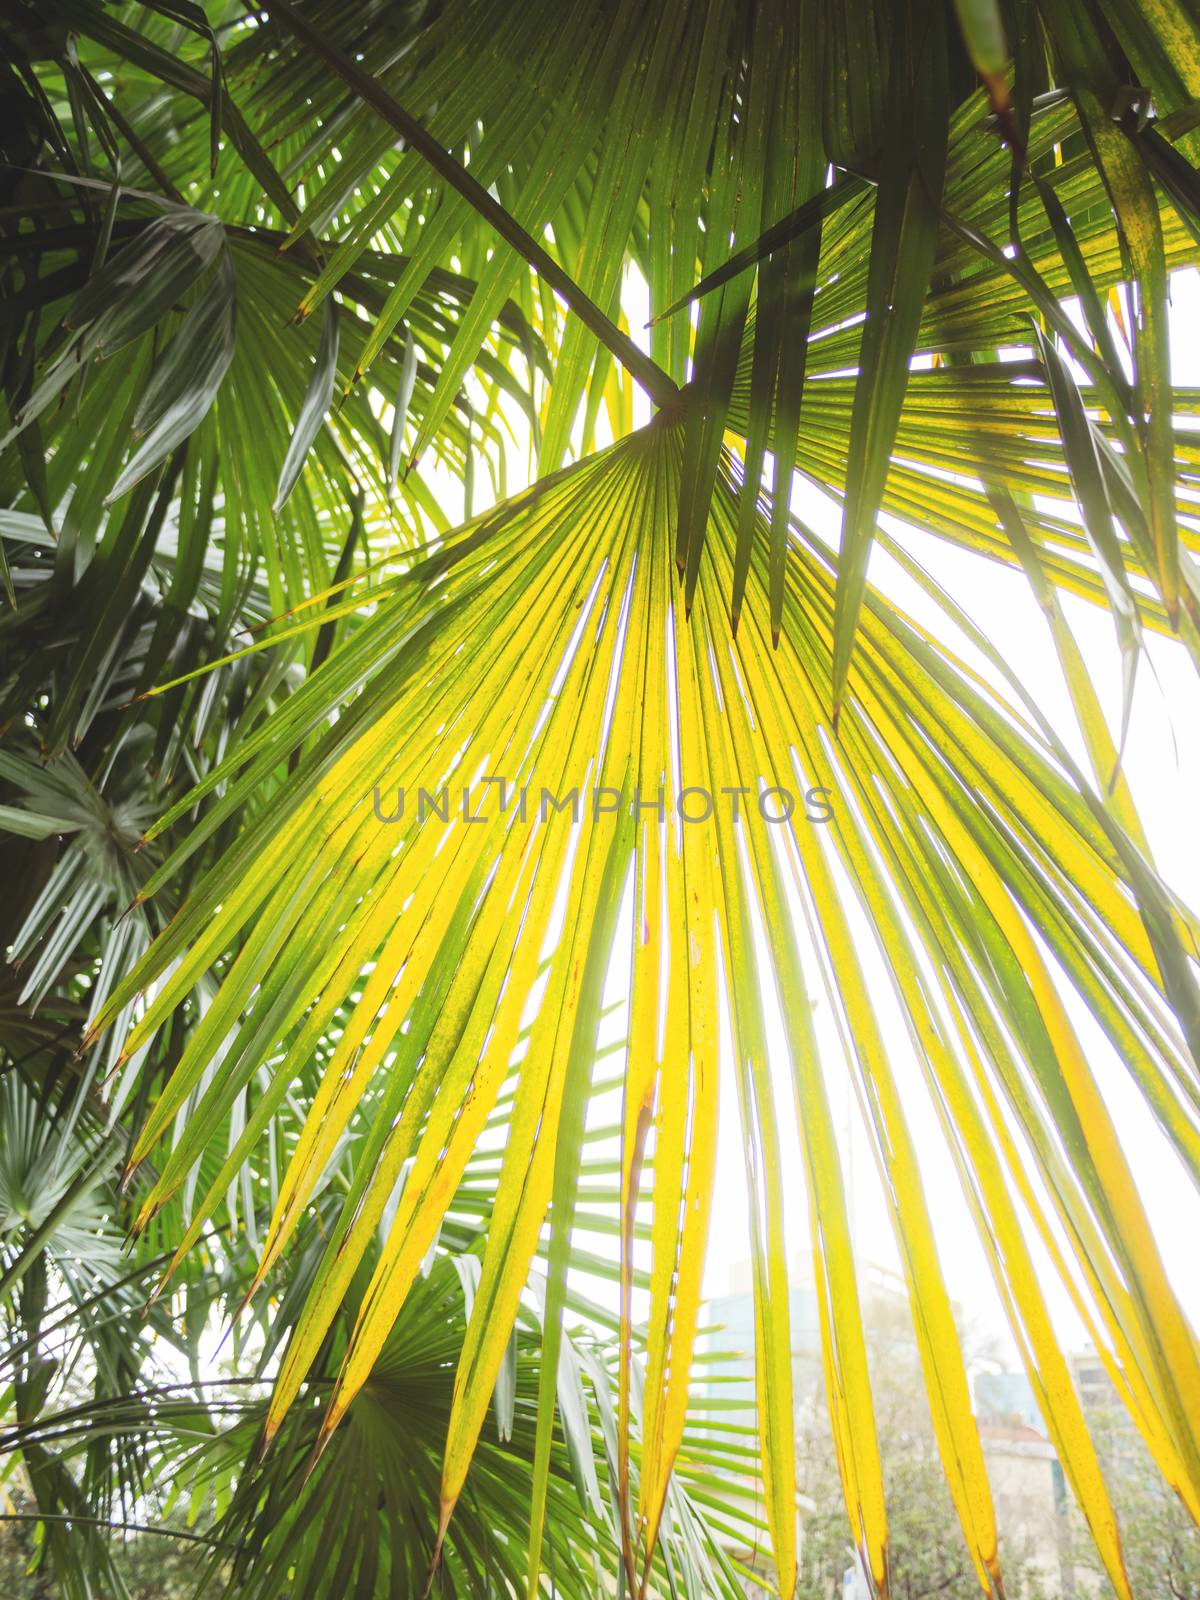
(1162, 1543)
(927, 1553)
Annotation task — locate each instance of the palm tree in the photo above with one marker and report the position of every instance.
(273, 275)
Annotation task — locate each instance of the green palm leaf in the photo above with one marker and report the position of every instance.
(876, 253)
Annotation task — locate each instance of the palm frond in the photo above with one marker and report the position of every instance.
(473, 666)
(376, 941)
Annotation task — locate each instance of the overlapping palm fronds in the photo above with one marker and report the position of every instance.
(113, 1434)
(858, 264)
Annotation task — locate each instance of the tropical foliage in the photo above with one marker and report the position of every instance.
(113, 1427)
(272, 276)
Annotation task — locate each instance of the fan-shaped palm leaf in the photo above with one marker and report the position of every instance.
(432, 179)
(475, 667)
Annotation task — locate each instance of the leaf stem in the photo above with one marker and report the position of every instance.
(661, 388)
